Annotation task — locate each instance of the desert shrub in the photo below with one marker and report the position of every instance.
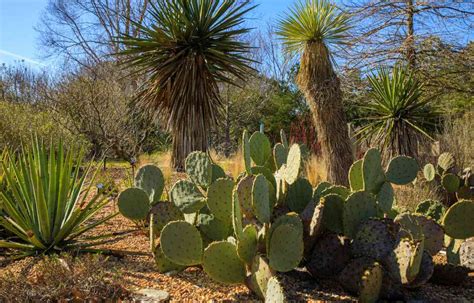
(57, 278)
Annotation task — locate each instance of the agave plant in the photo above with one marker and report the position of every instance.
(396, 116)
(188, 47)
(46, 202)
(310, 28)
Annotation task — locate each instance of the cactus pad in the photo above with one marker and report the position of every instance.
(222, 263)
(359, 207)
(244, 191)
(286, 248)
(266, 172)
(290, 218)
(340, 190)
(198, 166)
(445, 162)
(403, 263)
(376, 238)
(402, 170)
(452, 249)
(300, 193)
(410, 226)
(247, 244)
(261, 199)
(385, 197)
(151, 180)
(363, 277)
(260, 274)
(275, 292)
(164, 264)
(217, 172)
(431, 209)
(293, 164)
(319, 189)
(425, 273)
(280, 153)
(356, 178)
(246, 152)
(466, 253)
(260, 148)
(134, 204)
(312, 218)
(372, 171)
(163, 213)
(181, 242)
(429, 172)
(236, 215)
(187, 197)
(283, 139)
(212, 227)
(458, 221)
(333, 210)
(219, 199)
(329, 256)
(433, 234)
(450, 182)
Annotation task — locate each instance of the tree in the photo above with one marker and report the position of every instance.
(188, 48)
(310, 28)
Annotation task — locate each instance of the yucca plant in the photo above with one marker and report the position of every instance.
(46, 202)
(310, 28)
(397, 116)
(186, 49)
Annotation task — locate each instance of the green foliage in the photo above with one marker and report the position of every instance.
(45, 200)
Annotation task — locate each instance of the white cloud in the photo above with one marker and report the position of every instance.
(6, 53)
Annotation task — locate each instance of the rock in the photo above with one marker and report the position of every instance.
(149, 295)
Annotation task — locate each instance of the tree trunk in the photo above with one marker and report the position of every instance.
(410, 39)
(321, 87)
(186, 140)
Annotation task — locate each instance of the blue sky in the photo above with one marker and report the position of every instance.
(19, 40)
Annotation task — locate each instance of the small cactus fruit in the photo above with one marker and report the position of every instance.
(244, 190)
(330, 255)
(163, 213)
(433, 233)
(359, 207)
(247, 244)
(429, 172)
(219, 199)
(312, 218)
(260, 148)
(363, 277)
(236, 215)
(198, 166)
(403, 263)
(181, 242)
(280, 154)
(425, 273)
(134, 204)
(275, 292)
(458, 222)
(450, 182)
(431, 209)
(319, 189)
(246, 152)
(340, 190)
(466, 253)
(333, 210)
(222, 263)
(449, 274)
(187, 197)
(356, 178)
(164, 264)
(372, 171)
(445, 162)
(293, 164)
(402, 170)
(151, 180)
(285, 248)
(261, 199)
(376, 238)
(385, 197)
(300, 193)
(260, 274)
(212, 227)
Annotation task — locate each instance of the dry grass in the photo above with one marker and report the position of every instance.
(407, 197)
(315, 170)
(233, 165)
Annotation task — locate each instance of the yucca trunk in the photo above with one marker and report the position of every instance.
(321, 87)
(185, 141)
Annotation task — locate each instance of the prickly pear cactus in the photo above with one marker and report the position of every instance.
(247, 244)
(359, 207)
(385, 197)
(163, 213)
(275, 292)
(433, 234)
(403, 263)
(429, 172)
(300, 193)
(222, 263)
(246, 152)
(198, 167)
(187, 196)
(466, 253)
(151, 180)
(333, 210)
(450, 182)
(219, 199)
(330, 255)
(260, 274)
(293, 164)
(372, 171)
(261, 199)
(356, 178)
(280, 153)
(212, 227)
(319, 189)
(260, 148)
(134, 204)
(431, 209)
(181, 243)
(402, 170)
(446, 162)
(458, 222)
(363, 277)
(164, 264)
(425, 272)
(285, 248)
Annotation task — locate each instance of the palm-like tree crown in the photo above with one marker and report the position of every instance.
(313, 21)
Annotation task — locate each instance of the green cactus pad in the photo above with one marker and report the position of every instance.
(433, 234)
(212, 227)
(403, 263)
(286, 248)
(425, 272)
(219, 199)
(266, 172)
(319, 189)
(163, 213)
(356, 179)
(450, 182)
(431, 209)
(312, 218)
(151, 180)
(446, 162)
(429, 172)
(260, 274)
(340, 190)
(198, 166)
(333, 210)
(260, 148)
(300, 193)
(222, 263)
(236, 215)
(164, 264)
(363, 277)
(217, 172)
(187, 197)
(329, 256)
(372, 171)
(246, 152)
(376, 238)
(247, 244)
(261, 199)
(290, 218)
(385, 197)
(293, 164)
(371, 284)
(244, 190)
(275, 292)
(280, 153)
(181, 242)
(134, 204)
(359, 207)
(402, 170)
(458, 221)
(283, 139)
(410, 226)
(452, 249)
(466, 253)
